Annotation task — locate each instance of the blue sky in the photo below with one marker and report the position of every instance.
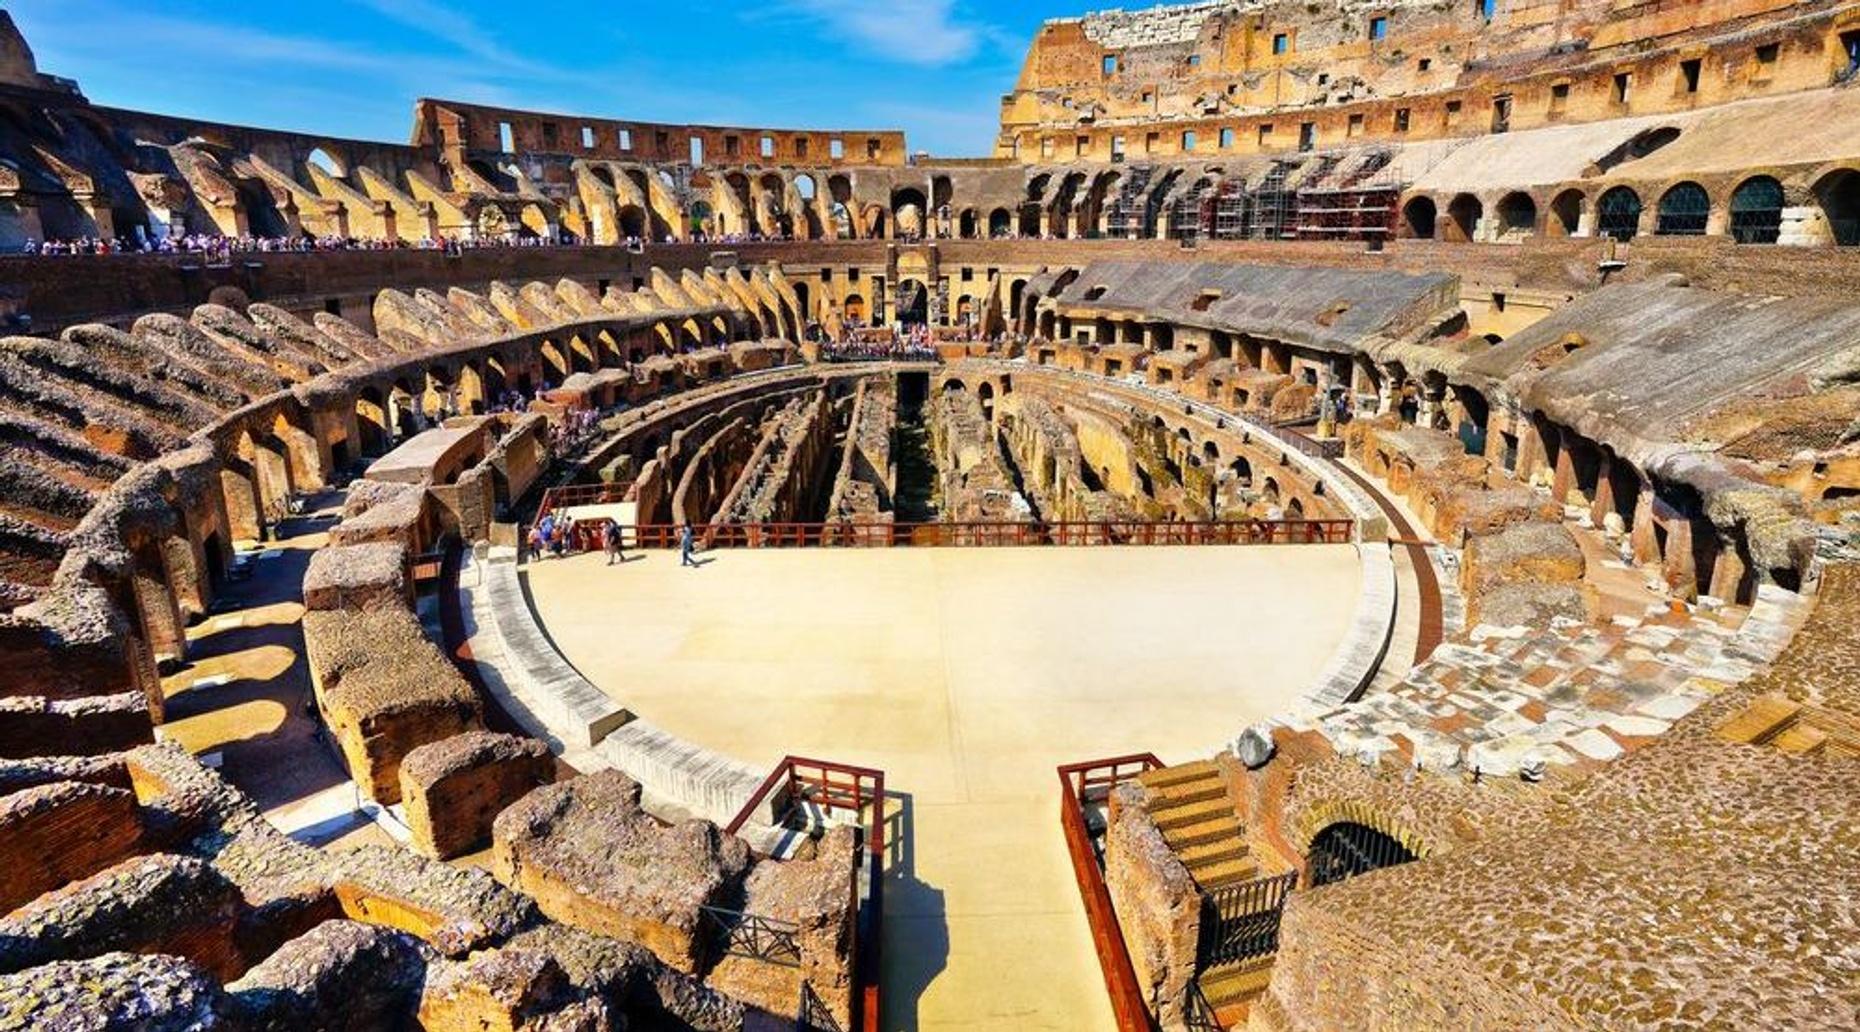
(935, 68)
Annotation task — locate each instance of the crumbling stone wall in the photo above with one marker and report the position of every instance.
(592, 858)
(454, 788)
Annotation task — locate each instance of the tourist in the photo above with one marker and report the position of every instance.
(610, 536)
(686, 541)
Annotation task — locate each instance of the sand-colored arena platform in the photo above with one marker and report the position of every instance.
(968, 675)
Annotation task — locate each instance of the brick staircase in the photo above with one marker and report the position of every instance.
(1189, 805)
(1231, 988)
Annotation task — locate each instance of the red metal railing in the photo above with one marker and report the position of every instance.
(839, 786)
(969, 535)
(1092, 781)
(569, 495)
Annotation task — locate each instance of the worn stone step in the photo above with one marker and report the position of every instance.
(1210, 830)
(1805, 739)
(1217, 851)
(1235, 983)
(1763, 719)
(1186, 793)
(1192, 813)
(1165, 776)
(1227, 872)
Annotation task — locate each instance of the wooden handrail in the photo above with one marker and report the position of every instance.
(1120, 977)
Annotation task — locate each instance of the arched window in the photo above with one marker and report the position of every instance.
(1756, 211)
(1619, 214)
(1346, 849)
(1683, 211)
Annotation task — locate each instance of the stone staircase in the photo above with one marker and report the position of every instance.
(1231, 988)
(1190, 807)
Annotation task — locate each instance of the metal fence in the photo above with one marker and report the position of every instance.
(1241, 922)
(1345, 850)
(754, 936)
(985, 535)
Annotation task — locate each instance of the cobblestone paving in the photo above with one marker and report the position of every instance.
(1515, 701)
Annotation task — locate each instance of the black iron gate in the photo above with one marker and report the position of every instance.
(1240, 922)
(1346, 849)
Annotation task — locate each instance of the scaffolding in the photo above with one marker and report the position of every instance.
(1185, 215)
(1273, 203)
(1357, 203)
(1130, 210)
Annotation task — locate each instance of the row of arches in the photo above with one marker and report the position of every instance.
(1753, 212)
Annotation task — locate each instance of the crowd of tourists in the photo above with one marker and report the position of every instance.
(219, 248)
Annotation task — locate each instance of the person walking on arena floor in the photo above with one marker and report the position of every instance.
(686, 539)
(610, 535)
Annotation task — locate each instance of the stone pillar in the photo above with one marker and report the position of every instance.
(1805, 226)
(1588, 222)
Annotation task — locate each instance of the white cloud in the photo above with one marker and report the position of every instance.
(924, 32)
(454, 28)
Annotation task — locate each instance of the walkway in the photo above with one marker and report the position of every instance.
(968, 675)
(243, 702)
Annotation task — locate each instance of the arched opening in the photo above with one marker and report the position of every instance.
(326, 163)
(800, 299)
(1756, 211)
(1838, 193)
(1618, 214)
(913, 303)
(1347, 849)
(1000, 223)
(967, 225)
(986, 395)
(1419, 217)
(1683, 211)
(1566, 214)
(853, 310)
(909, 212)
(1517, 215)
(633, 222)
(1463, 217)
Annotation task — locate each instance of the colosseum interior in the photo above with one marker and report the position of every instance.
(1346, 519)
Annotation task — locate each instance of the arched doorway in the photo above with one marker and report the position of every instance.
(853, 310)
(1517, 215)
(1347, 849)
(1565, 214)
(1463, 217)
(913, 303)
(1000, 223)
(1618, 214)
(1838, 193)
(1756, 211)
(1418, 217)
